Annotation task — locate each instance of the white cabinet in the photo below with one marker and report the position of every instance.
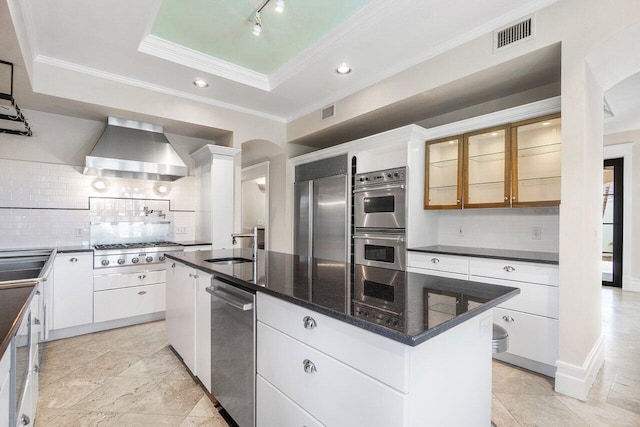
(129, 302)
(188, 318)
(215, 194)
(323, 371)
(72, 290)
(5, 386)
(531, 318)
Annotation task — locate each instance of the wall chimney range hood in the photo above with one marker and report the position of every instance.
(131, 149)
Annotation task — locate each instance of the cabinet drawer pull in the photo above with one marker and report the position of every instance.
(36, 321)
(506, 198)
(24, 421)
(435, 260)
(309, 322)
(142, 293)
(73, 259)
(142, 276)
(36, 368)
(509, 269)
(508, 319)
(309, 366)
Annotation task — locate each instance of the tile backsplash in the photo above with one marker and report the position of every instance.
(533, 229)
(43, 204)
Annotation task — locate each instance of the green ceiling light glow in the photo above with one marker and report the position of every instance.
(223, 28)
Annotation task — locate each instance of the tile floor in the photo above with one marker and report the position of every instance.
(129, 377)
(124, 377)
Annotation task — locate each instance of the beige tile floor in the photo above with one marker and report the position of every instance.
(124, 377)
(522, 398)
(129, 377)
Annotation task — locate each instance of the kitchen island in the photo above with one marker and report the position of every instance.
(327, 354)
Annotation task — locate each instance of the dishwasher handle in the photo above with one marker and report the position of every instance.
(230, 299)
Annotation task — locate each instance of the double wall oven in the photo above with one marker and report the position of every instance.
(379, 247)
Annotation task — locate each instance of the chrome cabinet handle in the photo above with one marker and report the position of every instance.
(195, 276)
(513, 197)
(142, 293)
(173, 265)
(36, 321)
(70, 260)
(508, 268)
(506, 198)
(38, 292)
(309, 366)
(142, 276)
(309, 322)
(508, 319)
(36, 368)
(435, 260)
(24, 421)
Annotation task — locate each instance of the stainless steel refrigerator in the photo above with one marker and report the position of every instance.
(321, 201)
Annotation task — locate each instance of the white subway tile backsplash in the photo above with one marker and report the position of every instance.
(65, 200)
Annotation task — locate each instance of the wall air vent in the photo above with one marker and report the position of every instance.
(514, 33)
(330, 111)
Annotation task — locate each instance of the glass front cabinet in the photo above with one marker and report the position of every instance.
(514, 165)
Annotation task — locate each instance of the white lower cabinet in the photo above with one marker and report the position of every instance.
(129, 302)
(188, 318)
(5, 389)
(72, 299)
(323, 385)
(275, 409)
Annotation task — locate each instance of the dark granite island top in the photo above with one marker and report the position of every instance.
(14, 302)
(524, 256)
(427, 306)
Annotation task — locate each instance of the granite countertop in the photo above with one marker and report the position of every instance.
(525, 256)
(14, 301)
(73, 249)
(423, 304)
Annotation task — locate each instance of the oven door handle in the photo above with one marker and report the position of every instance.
(369, 237)
(378, 188)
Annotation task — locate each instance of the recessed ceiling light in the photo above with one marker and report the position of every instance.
(546, 123)
(200, 83)
(494, 133)
(343, 69)
(280, 6)
(257, 25)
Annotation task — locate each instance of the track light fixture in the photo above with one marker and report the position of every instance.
(256, 20)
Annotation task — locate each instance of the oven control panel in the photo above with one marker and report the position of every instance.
(377, 316)
(387, 176)
(118, 260)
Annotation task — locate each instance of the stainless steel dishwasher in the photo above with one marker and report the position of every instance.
(233, 363)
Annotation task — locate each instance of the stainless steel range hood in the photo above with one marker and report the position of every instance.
(130, 149)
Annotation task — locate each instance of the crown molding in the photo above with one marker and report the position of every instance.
(69, 66)
(174, 52)
(424, 56)
(22, 18)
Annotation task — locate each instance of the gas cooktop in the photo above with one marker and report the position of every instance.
(111, 246)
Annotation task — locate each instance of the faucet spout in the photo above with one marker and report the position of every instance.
(254, 240)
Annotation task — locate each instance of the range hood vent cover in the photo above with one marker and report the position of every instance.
(130, 149)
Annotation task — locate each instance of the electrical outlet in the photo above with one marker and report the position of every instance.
(460, 232)
(536, 233)
(79, 232)
(181, 230)
(260, 222)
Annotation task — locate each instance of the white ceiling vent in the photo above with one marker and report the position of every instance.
(327, 112)
(513, 34)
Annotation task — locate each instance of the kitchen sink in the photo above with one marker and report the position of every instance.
(228, 261)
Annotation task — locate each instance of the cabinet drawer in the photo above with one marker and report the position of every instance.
(274, 409)
(458, 276)
(437, 262)
(329, 393)
(530, 336)
(518, 271)
(116, 281)
(535, 299)
(372, 354)
(127, 302)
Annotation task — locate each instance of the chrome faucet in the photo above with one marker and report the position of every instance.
(254, 239)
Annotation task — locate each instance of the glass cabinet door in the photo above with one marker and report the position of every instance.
(443, 189)
(487, 168)
(536, 162)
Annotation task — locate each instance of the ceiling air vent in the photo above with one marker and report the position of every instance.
(514, 33)
(330, 111)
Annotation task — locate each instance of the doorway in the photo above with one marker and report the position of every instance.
(255, 203)
(612, 227)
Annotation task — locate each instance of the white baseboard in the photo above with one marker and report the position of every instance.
(531, 365)
(103, 326)
(635, 285)
(576, 381)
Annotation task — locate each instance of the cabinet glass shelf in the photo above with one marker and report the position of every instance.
(538, 150)
(487, 183)
(487, 157)
(443, 187)
(444, 163)
(541, 178)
